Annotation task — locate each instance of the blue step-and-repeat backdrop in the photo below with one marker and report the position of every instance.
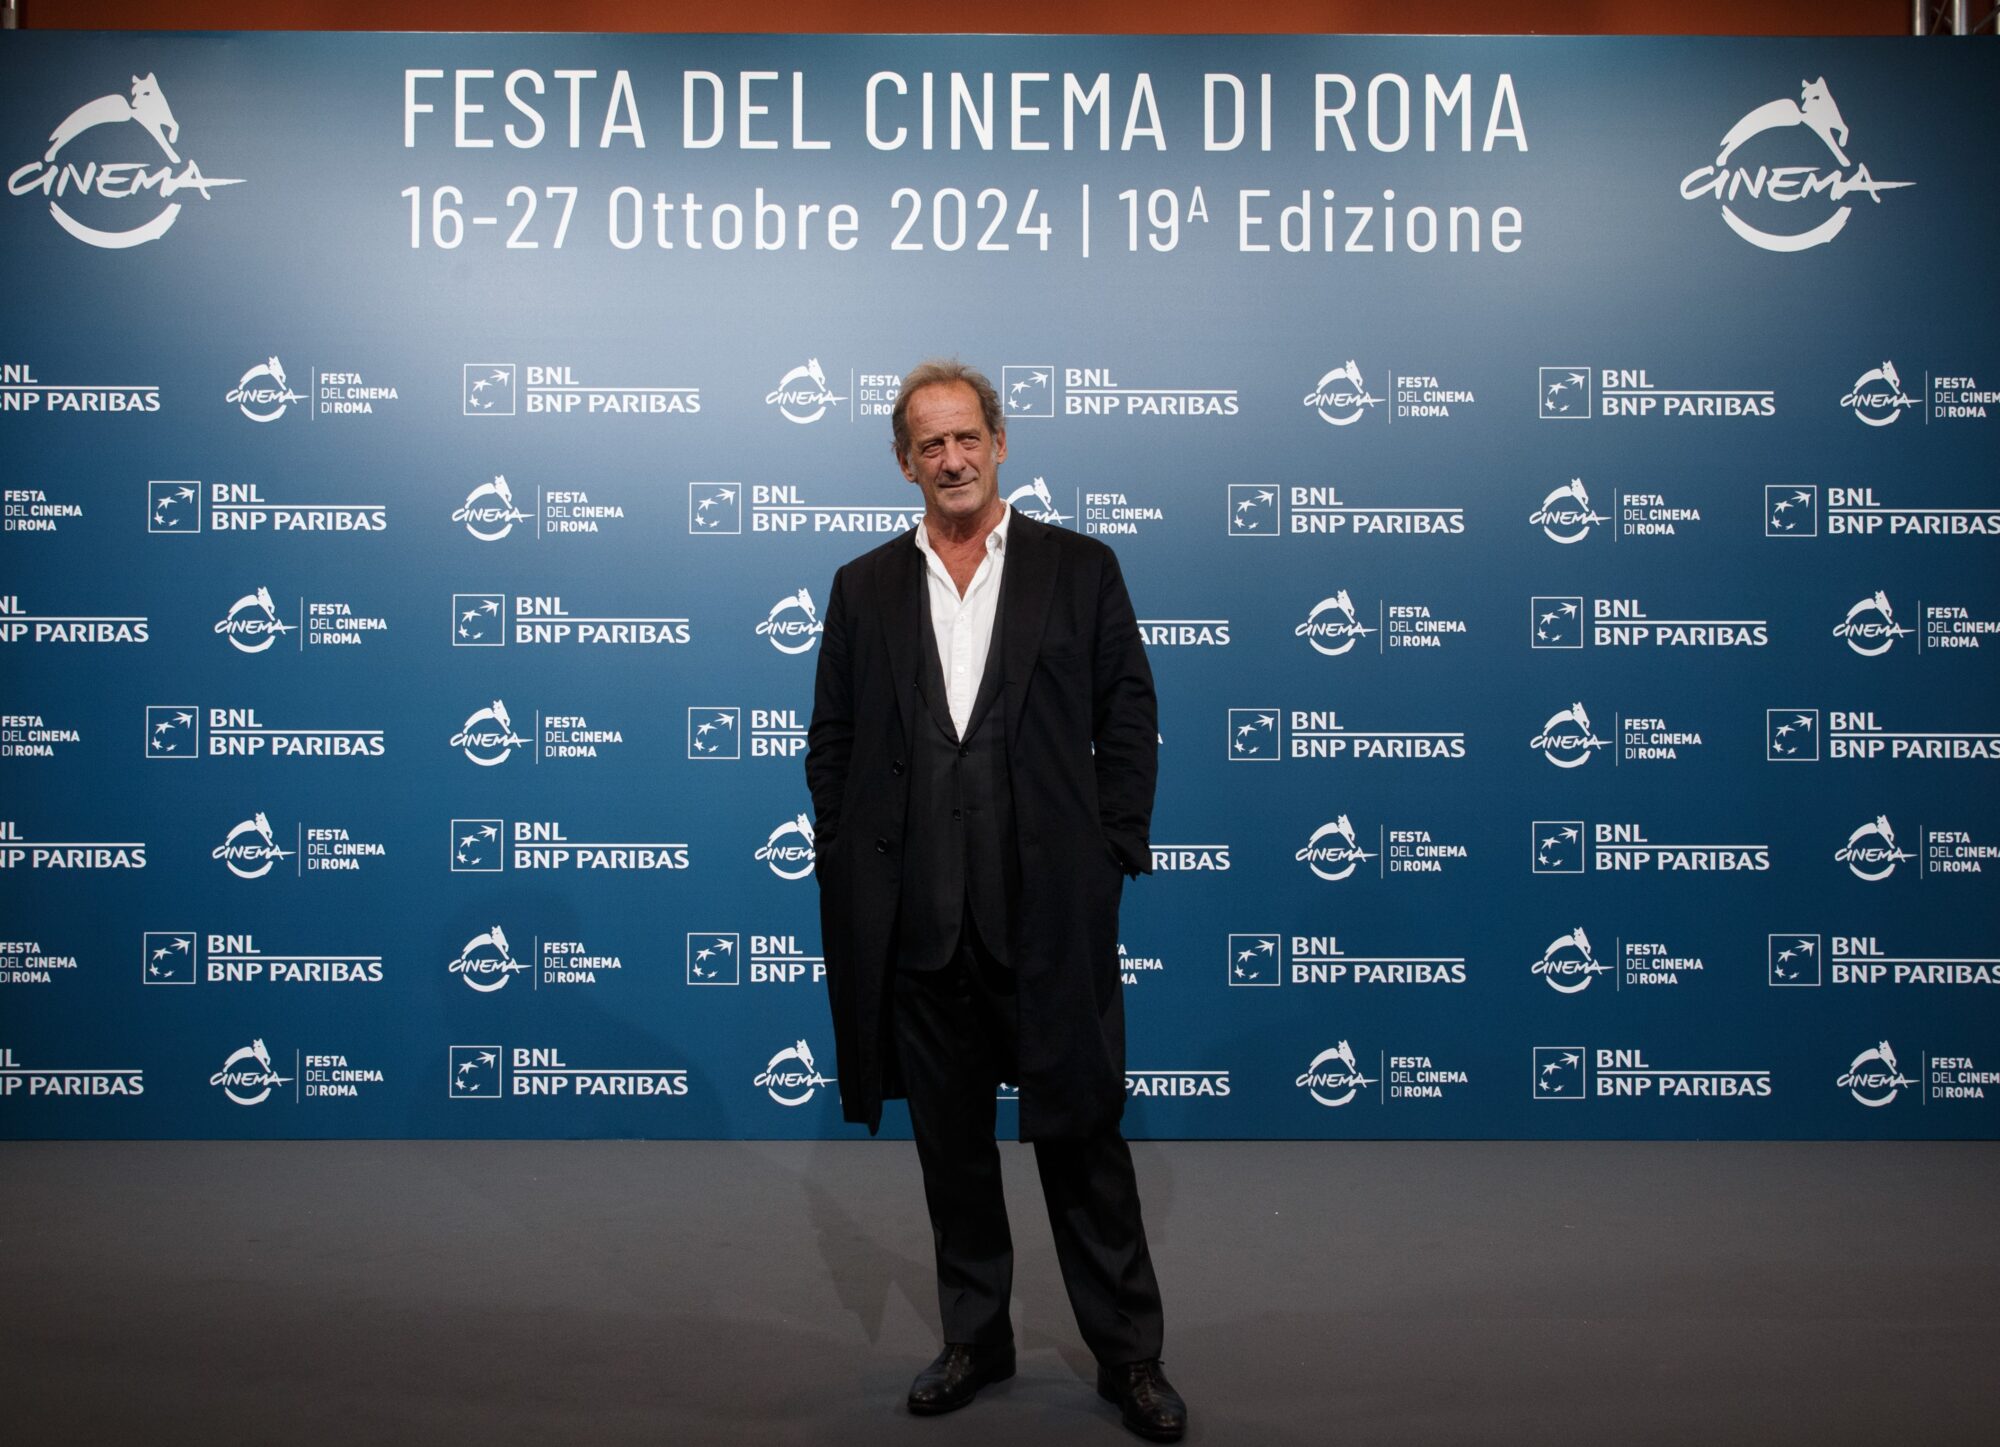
(1556, 478)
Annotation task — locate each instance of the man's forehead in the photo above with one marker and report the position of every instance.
(945, 405)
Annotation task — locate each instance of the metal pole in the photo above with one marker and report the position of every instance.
(1958, 17)
(10, 14)
(1918, 15)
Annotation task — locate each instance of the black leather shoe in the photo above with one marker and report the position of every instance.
(1146, 1400)
(957, 1375)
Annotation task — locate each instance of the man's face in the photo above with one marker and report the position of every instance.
(952, 456)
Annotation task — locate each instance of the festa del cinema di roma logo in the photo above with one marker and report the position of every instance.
(118, 181)
(1788, 185)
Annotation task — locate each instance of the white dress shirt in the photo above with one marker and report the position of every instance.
(964, 625)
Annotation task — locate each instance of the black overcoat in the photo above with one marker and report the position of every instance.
(1082, 745)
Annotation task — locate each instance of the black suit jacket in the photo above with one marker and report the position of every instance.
(1082, 737)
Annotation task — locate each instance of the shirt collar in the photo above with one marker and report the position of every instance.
(996, 541)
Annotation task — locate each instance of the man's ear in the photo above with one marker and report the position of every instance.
(903, 462)
(1000, 445)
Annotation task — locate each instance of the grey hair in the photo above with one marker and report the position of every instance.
(937, 372)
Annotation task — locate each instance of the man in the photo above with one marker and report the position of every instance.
(981, 758)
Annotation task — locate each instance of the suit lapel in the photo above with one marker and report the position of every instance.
(1026, 590)
(906, 617)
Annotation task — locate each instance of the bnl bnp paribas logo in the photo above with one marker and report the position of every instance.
(1571, 1072)
(506, 389)
(1789, 171)
(1559, 621)
(96, 197)
(1029, 390)
(1566, 395)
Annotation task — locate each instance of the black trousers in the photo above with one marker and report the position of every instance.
(957, 1032)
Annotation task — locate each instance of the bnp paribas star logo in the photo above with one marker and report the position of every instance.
(169, 957)
(1255, 735)
(1254, 510)
(1791, 735)
(478, 846)
(1559, 1072)
(1565, 394)
(173, 731)
(715, 508)
(1792, 960)
(715, 958)
(475, 1072)
(1791, 510)
(1555, 621)
(489, 389)
(1256, 960)
(173, 507)
(478, 620)
(1028, 390)
(1557, 846)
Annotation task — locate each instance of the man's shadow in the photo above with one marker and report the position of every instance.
(870, 1263)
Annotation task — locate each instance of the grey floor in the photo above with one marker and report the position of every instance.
(495, 1293)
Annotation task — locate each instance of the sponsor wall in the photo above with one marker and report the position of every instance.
(1555, 478)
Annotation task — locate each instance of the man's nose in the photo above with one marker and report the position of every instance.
(954, 458)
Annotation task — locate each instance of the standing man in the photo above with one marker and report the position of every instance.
(982, 756)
